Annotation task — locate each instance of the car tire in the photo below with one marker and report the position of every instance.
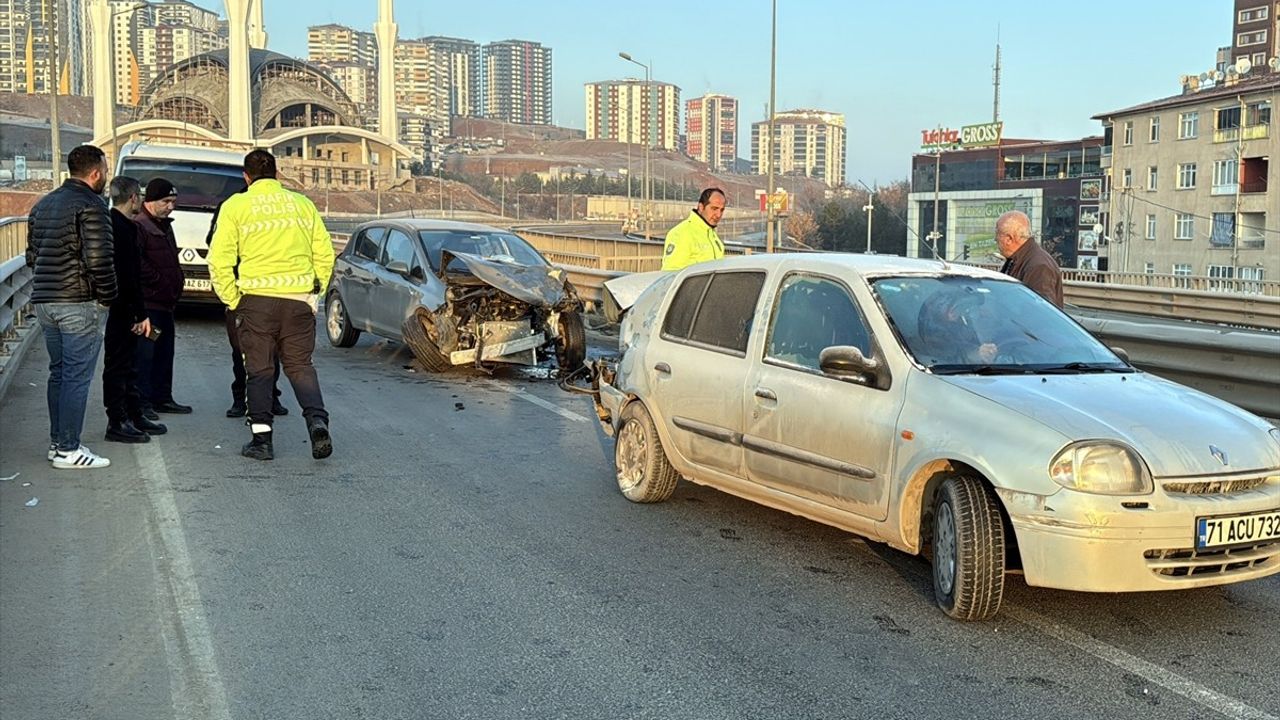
(426, 351)
(338, 324)
(644, 474)
(571, 346)
(968, 549)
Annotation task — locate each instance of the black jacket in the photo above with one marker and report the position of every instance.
(161, 271)
(69, 247)
(128, 264)
(1036, 268)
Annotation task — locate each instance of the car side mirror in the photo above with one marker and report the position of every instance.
(398, 267)
(847, 362)
(1122, 353)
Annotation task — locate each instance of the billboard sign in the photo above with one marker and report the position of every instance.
(968, 137)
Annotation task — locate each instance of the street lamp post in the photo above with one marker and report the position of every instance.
(645, 124)
(871, 200)
(773, 86)
(55, 147)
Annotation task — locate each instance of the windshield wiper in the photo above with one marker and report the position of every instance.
(981, 370)
(1072, 368)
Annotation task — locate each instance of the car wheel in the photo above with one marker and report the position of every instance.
(571, 346)
(968, 549)
(644, 473)
(338, 324)
(422, 346)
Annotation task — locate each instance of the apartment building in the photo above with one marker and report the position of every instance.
(517, 82)
(622, 110)
(341, 44)
(711, 131)
(25, 27)
(460, 60)
(806, 142)
(1192, 186)
(1255, 32)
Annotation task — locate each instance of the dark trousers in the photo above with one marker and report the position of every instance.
(239, 378)
(278, 329)
(154, 360)
(119, 378)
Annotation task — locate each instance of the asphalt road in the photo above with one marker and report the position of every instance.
(465, 554)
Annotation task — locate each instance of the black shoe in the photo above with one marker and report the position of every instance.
(149, 427)
(236, 410)
(172, 407)
(125, 432)
(149, 414)
(278, 409)
(259, 448)
(321, 443)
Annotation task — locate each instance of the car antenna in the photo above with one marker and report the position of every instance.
(928, 239)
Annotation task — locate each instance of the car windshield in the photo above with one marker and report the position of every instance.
(967, 325)
(200, 186)
(491, 245)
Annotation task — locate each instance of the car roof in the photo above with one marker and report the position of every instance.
(182, 154)
(415, 224)
(870, 266)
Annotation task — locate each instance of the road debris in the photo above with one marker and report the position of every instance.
(33, 502)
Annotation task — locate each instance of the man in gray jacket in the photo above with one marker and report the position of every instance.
(69, 247)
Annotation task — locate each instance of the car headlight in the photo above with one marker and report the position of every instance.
(1102, 469)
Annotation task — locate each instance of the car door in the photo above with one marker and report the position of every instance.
(828, 439)
(393, 291)
(356, 274)
(700, 366)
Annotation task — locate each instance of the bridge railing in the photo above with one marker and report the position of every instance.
(15, 280)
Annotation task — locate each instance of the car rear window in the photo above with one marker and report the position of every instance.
(680, 315)
(368, 243)
(724, 317)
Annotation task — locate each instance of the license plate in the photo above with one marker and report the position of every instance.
(1237, 529)
(196, 284)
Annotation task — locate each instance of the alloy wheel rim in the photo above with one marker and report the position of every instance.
(631, 452)
(944, 549)
(335, 318)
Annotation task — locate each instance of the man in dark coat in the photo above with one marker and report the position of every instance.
(1025, 259)
(69, 249)
(161, 288)
(126, 322)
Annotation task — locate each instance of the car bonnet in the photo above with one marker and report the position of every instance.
(537, 285)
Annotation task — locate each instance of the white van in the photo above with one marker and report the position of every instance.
(204, 177)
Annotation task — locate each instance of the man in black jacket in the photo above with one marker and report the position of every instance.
(126, 321)
(70, 251)
(162, 282)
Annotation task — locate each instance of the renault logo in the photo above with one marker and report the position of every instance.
(1218, 453)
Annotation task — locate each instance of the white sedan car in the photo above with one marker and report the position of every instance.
(939, 409)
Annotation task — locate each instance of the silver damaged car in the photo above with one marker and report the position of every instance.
(456, 294)
(943, 410)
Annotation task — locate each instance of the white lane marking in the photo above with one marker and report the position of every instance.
(567, 414)
(195, 685)
(1194, 691)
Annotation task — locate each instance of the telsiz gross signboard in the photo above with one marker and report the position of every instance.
(966, 138)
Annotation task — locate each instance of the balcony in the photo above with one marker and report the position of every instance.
(1250, 132)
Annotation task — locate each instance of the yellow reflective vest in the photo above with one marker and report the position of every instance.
(692, 241)
(269, 241)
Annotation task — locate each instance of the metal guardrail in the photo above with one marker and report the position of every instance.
(15, 280)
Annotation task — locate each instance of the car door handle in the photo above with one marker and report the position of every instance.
(663, 368)
(766, 394)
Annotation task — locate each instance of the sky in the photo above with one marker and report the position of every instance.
(893, 68)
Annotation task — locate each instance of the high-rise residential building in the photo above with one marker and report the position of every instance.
(461, 60)
(621, 110)
(711, 130)
(24, 46)
(358, 81)
(341, 44)
(1255, 32)
(421, 79)
(806, 142)
(517, 82)
(147, 38)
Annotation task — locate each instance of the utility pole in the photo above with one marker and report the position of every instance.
(773, 86)
(871, 199)
(1235, 232)
(55, 127)
(995, 80)
(935, 236)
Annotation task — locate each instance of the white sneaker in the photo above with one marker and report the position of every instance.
(53, 450)
(82, 459)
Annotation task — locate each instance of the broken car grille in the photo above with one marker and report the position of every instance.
(1215, 487)
(1190, 563)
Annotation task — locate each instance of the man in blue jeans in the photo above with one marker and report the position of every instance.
(69, 247)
